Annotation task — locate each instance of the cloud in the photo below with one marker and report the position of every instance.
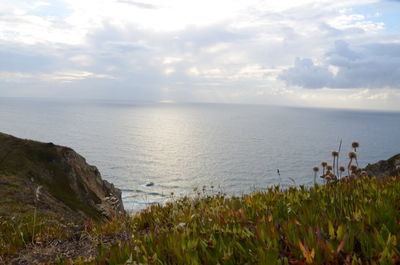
(224, 51)
(138, 4)
(306, 74)
(70, 76)
(374, 65)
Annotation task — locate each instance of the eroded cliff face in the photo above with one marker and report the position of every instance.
(87, 184)
(53, 179)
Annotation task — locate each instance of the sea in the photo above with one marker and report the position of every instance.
(158, 152)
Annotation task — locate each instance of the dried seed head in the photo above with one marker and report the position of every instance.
(324, 164)
(315, 169)
(335, 154)
(355, 144)
(352, 155)
(333, 176)
(353, 168)
(342, 169)
(329, 167)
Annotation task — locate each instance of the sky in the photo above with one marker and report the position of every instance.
(335, 54)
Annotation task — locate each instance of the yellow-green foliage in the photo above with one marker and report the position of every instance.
(348, 222)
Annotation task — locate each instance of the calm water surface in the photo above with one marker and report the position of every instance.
(235, 148)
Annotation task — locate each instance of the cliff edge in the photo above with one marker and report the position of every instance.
(55, 180)
(385, 168)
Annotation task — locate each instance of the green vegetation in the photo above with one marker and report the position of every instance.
(352, 221)
(355, 222)
(19, 231)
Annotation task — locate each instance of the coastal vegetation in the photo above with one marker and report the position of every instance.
(349, 220)
(356, 221)
(352, 221)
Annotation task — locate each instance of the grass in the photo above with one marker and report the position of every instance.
(18, 231)
(352, 221)
(355, 222)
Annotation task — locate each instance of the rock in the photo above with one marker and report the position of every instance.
(54, 179)
(385, 168)
(149, 184)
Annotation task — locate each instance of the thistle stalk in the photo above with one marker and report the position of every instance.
(355, 145)
(335, 156)
(352, 155)
(337, 160)
(37, 197)
(315, 169)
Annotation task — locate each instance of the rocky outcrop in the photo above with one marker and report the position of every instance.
(385, 168)
(53, 179)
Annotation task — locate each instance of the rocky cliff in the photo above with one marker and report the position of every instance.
(385, 168)
(53, 179)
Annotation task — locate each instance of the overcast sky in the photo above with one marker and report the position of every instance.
(343, 54)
